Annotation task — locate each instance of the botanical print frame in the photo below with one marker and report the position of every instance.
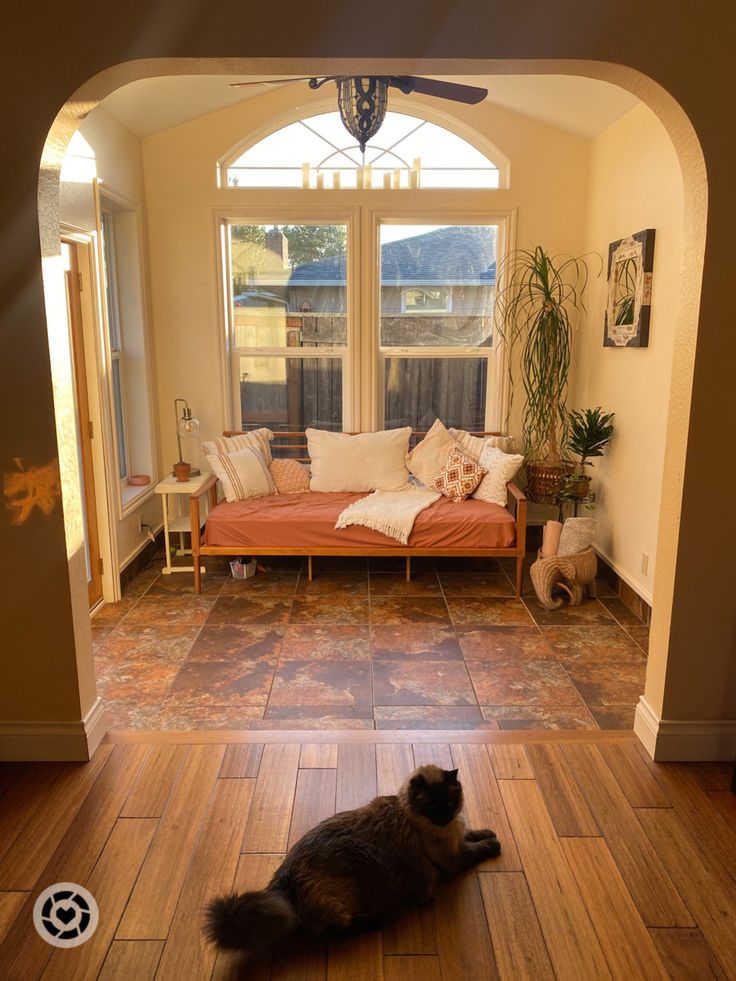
(630, 265)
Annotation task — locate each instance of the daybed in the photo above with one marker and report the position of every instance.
(304, 524)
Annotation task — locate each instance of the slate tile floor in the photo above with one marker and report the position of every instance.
(359, 647)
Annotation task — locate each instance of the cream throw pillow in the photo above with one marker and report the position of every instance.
(243, 474)
(472, 446)
(429, 457)
(259, 438)
(502, 467)
(353, 464)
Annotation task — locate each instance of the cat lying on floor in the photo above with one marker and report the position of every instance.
(361, 868)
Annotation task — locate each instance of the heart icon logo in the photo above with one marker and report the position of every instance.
(66, 914)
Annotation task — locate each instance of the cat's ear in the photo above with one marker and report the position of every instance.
(451, 776)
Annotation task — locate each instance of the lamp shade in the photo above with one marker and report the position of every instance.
(362, 103)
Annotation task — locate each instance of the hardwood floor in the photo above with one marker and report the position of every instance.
(612, 866)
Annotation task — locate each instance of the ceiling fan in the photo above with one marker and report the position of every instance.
(363, 99)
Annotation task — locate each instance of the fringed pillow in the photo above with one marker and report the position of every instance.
(459, 477)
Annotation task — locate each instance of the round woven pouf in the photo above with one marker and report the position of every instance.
(572, 573)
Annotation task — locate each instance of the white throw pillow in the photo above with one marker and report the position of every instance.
(258, 438)
(243, 474)
(353, 464)
(472, 446)
(502, 467)
(430, 455)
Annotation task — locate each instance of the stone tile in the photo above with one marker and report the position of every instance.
(639, 633)
(408, 609)
(111, 614)
(397, 563)
(431, 717)
(597, 644)
(415, 641)
(421, 683)
(338, 563)
(609, 684)
(231, 642)
(617, 608)
(126, 714)
(145, 681)
(359, 711)
(476, 584)
(395, 584)
(604, 589)
(170, 610)
(326, 722)
(149, 642)
(451, 563)
(206, 716)
(613, 716)
(327, 609)
(281, 563)
(182, 584)
(530, 717)
(334, 584)
(138, 586)
(282, 583)
(250, 609)
(501, 643)
(314, 642)
(539, 682)
(222, 683)
(590, 611)
(346, 683)
(491, 611)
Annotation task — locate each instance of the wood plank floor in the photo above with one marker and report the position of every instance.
(612, 866)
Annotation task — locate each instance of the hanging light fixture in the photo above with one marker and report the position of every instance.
(362, 103)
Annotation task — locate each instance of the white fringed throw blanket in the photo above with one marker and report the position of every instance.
(391, 512)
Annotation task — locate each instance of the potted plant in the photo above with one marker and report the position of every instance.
(589, 433)
(539, 299)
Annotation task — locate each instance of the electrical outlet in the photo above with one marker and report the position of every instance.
(645, 562)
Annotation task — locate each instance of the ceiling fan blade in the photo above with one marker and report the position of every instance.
(276, 81)
(469, 94)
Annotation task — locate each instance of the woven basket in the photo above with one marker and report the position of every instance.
(544, 481)
(572, 573)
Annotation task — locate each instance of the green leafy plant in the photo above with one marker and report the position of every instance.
(537, 304)
(589, 433)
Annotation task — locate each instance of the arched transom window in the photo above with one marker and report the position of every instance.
(407, 152)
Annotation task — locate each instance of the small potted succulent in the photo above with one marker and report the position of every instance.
(589, 433)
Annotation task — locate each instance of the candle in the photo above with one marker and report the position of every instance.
(320, 181)
(359, 177)
(305, 174)
(397, 179)
(368, 176)
(413, 179)
(387, 181)
(336, 179)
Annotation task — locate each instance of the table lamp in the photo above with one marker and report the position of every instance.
(186, 426)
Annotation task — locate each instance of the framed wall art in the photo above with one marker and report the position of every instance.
(630, 265)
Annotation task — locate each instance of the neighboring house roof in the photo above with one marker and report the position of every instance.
(444, 256)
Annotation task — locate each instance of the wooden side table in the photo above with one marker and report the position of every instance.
(178, 522)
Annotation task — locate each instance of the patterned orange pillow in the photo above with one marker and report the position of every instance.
(290, 476)
(459, 477)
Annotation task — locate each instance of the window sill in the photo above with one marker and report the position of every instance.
(131, 497)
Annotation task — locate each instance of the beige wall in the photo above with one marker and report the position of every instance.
(548, 175)
(635, 183)
(105, 149)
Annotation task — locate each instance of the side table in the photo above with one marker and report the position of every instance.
(178, 522)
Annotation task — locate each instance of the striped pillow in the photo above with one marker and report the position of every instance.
(260, 439)
(243, 474)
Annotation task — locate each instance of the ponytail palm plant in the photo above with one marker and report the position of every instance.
(537, 305)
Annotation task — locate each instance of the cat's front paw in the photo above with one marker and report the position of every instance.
(481, 834)
(490, 847)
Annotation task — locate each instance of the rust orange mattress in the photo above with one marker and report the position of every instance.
(308, 520)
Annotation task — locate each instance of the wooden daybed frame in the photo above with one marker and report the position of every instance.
(294, 446)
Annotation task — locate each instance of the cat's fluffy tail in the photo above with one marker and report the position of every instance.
(250, 920)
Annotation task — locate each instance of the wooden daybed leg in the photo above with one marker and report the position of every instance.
(408, 568)
(309, 568)
(519, 573)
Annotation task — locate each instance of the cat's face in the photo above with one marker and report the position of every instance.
(436, 794)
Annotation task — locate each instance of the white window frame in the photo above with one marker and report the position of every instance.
(496, 385)
(347, 354)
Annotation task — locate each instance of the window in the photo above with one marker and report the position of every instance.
(112, 309)
(289, 324)
(407, 152)
(436, 323)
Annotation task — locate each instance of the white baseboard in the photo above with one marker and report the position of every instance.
(55, 741)
(640, 590)
(687, 740)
